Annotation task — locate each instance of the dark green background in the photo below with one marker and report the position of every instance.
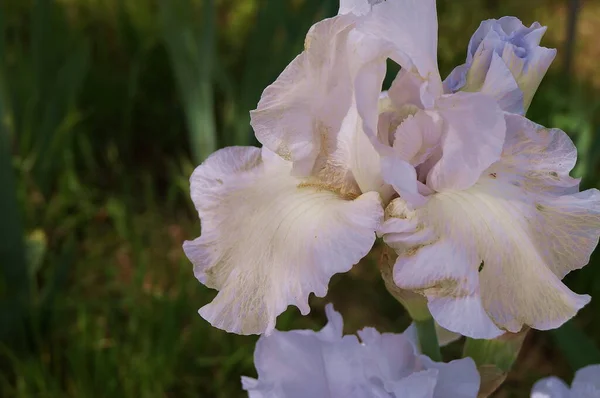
(106, 106)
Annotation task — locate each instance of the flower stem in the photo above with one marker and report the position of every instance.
(428, 339)
(501, 352)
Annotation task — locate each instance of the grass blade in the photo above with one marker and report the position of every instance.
(14, 281)
(191, 54)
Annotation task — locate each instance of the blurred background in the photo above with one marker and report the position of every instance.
(106, 106)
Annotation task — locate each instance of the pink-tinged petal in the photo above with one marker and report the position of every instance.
(411, 27)
(368, 81)
(406, 89)
(497, 253)
(473, 139)
(300, 114)
(417, 137)
(357, 153)
(402, 176)
(500, 84)
(586, 383)
(550, 387)
(269, 239)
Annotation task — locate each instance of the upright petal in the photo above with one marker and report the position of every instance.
(269, 239)
(300, 114)
(411, 27)
(357, 7)
(474, 135)
(500, 84)
(357, 154)
(406, 90)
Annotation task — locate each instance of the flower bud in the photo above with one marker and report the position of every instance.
(516, 45)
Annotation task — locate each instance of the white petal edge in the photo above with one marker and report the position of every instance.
(300, 114)
(270, 239)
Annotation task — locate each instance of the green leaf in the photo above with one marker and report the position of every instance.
(191, 53)
(578, 349)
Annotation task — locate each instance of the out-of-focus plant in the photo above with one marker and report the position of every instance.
(191, 49)
(13, 272)
(42, 70)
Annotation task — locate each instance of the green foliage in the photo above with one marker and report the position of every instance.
(105, 109)
(192, 56)
(578, 348)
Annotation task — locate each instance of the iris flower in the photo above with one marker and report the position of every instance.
(327, 364)
(585, 385)
(477, 202)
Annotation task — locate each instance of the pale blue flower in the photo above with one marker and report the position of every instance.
(326, 364)
(585, 385)
(500, 48)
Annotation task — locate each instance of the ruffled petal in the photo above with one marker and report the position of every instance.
(494, 255)
(586, 383)
(472, 141)
(299, 365)
(305, 363)
(550, 387)
(269, 239)
(538, 161)
(417, 137)
(411, 27)
(300, 114)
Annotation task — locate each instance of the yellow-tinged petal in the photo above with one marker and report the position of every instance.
(270, 239)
